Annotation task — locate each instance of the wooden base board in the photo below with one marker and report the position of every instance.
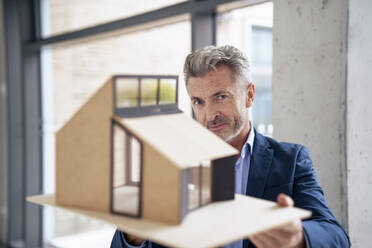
(213, 225)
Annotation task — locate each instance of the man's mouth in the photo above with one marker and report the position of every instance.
(216, 127)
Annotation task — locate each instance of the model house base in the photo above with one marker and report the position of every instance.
(214, 225)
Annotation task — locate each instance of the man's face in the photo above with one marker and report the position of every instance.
(220, 104)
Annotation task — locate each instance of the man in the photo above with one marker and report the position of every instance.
(221, 92)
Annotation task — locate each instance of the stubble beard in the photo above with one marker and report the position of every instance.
(239, 123)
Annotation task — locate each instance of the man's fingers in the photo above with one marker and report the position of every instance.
(276, 237)
(288, 229)
(285, 235)
(280, 235)
(284, 200)
(293, 226)
(260, 241)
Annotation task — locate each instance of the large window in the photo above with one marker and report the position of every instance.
(70, 15)
(72, 72)
(250, 30)
(81, 45)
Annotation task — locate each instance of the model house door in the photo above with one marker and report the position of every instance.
(126, 171)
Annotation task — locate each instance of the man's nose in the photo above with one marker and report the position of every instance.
(211, 112)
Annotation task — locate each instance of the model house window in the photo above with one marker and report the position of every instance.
(141, 95)
(126, 172)
(206, 182)
(149, 91)
(127, 93)
(199, 181)
(168, 90)
(119, 158)
(193, 188)
(135, 161)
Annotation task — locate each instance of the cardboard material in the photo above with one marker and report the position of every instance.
(83, 154)
(161, 188)
(213, 225)
(181, 139)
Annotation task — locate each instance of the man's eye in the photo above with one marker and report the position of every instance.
(197, 102)
(221, 97)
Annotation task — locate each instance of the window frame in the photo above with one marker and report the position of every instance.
(128, 136)
(139, 110)
(199, 170)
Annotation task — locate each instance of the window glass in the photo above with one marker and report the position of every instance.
(70, 15)
(262, 44)
(135, 161)
(193, 188)
(126, 92)
(149, 91)
(206, 182)
(126, 173)
(262, 48)
(77, 71)
(168, 91)
(250, 30)
(119, 146)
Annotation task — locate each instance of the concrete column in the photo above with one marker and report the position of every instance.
(322, 89)
(309, 88)
(359, 122)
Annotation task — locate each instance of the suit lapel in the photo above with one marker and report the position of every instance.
(260, 166)
(259, 169)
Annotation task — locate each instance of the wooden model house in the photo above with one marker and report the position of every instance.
(129, 150)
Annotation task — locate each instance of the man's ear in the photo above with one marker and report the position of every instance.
(250, 95)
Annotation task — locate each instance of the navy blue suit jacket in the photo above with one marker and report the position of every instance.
(278, 167)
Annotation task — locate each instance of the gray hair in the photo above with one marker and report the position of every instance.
(202, 61)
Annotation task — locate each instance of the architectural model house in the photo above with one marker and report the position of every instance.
(129, 150)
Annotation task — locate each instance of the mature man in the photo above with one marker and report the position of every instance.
(221, 91)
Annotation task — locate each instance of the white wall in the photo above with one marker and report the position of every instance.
(359, 122)
(3, 135)
(309, 88)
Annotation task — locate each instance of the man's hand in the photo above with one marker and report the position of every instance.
(287, 235)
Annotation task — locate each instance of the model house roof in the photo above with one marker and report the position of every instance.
(179, 138)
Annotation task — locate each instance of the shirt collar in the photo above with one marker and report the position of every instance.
(249, 142)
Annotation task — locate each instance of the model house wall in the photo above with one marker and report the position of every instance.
(83, 154)
(161, 188)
